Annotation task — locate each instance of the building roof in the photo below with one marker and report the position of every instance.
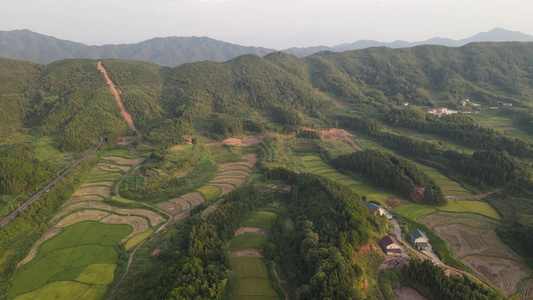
(372, 206)
(389, 240)
(415, 234)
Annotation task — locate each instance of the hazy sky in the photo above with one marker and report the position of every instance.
(269, 23)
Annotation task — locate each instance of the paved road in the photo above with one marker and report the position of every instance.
(45, 189)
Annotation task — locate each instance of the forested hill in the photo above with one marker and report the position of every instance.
(169, 51)
(250, 93)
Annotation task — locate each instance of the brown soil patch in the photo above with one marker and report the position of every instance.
(246, 253)
(242, 230)
(33, 251)
(392, 203)
(125, 161)
(81, 216)
(101, 183)
(111, 168)
(123, 111)
(335, 134)
(225, 167)
(245, 141)
(225, 188)
(407, 293)
(138, 224)
(470, 197)
(156, 251)
(102, 191)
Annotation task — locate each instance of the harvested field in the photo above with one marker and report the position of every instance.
(155, 218)
(112, 168)
(138, 224)
(225, 188)
(184, 204)
(473, 239)
(407, 293)
(84, 198)
(242, 230)
(182, 215)
(504, 274)
(245, 141)
(194, 198)
(526, 291)
(33, 251)
(232, 173)
(103, 191)
(235, 181)
(81, 216)
(170, 207)
(101, 183)
(232, 167)
(209, 210)
(124, 161)
(247, 253)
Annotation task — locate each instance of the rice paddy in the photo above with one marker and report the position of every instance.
(252, 280)
(314, 164)
(68, 264)
(261, 219)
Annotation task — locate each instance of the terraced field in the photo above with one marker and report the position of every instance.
(473, 239)
(78, 262)
(252, 280)
(76, 258)
(229, 177)
(314, 164)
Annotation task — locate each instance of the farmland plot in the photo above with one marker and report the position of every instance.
(473, 239)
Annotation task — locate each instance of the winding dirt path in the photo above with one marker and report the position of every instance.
(123, 111)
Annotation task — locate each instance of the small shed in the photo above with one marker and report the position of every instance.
(390, 245)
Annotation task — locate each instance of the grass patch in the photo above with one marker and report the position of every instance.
(477, 207)
(210, 192)
(448, 186)
(248, 240)
(134, 241)
(261, 219)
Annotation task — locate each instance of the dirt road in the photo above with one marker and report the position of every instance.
(123, 111)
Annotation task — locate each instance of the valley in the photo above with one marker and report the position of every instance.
(245, 180)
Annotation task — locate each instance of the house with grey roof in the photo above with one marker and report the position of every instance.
(419, 239)
(378, 209)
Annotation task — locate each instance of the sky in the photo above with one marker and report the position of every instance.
(277, 24)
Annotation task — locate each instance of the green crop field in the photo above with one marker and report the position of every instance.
(83, 253)
(478, 207)
(314, 164)
(414, 211)
(448, 186)
(96, 177)
(261, 219)
(248, 240)
(210, 192)
(252, 279)
(494, 119)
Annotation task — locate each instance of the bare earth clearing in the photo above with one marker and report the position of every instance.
(472, 238)
(335, 134)
(245, 141)
(242, 230)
